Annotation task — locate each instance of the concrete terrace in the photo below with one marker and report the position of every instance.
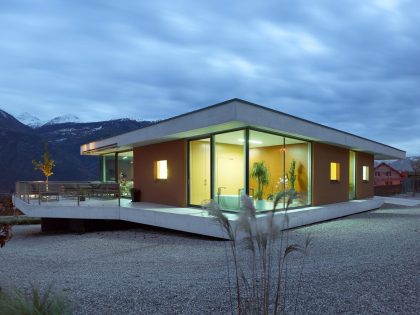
(191, 220)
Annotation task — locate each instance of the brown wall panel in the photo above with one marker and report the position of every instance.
(325, 191)
(364, 189)
(171, 191)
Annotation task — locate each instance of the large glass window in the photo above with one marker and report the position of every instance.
(266, 169)
(278, 166)
(229, 169)
(108, 171)
(297, 172)
(199, 169)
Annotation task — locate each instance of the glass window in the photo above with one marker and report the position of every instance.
(199, 171)
(162, 169)
(266, 169)
(297, 172)
(229, 169)
(108, 172)
(125, 170)
(365, 173)
(335, 171)
(278, 166)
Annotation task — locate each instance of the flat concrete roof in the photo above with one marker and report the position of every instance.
(234, 114)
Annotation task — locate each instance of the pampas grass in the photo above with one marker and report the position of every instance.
(257, 259)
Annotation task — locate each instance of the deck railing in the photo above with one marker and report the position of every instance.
(67, 193)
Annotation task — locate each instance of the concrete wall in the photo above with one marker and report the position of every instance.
(325, 191)
(171, 191)
(364, 189)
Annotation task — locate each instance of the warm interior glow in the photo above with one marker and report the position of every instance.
(199, 171)
(335, 171)
(162, 169)
(251, 141)
(366, 173)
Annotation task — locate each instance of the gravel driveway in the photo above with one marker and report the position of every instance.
(362, 264)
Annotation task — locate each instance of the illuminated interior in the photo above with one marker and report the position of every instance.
(229, 169)
(162, 169)
(118, 167)
(199, 157)
(125, 171)
(365, 173)
(335, 171)
(352, 175)
(285, 162)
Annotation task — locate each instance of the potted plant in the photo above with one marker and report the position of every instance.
(259, 172)
(135, 195)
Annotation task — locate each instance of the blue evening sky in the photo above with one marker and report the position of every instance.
(353, 65)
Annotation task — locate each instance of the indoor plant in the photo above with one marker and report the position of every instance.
(259, 172)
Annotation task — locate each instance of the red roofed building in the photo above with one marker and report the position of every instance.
(386, 175)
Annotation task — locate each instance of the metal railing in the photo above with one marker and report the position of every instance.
(68, 193)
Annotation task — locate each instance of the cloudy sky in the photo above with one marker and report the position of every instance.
(353, 65)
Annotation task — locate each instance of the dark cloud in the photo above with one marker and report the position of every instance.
(354, 66)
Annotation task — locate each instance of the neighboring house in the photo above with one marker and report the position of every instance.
(404, 166)
(211, 153)
(386, 175)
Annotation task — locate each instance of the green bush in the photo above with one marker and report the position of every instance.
(37, 303)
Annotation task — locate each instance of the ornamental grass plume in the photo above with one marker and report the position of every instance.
(257, 256)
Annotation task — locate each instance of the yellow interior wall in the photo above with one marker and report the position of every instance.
(352, 179)
(230, 165)
(299, 153)
(229, 168)
(273, 158)
(199, 172)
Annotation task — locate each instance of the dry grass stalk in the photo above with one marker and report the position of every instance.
(259, 251)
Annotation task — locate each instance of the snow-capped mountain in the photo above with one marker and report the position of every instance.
(10, 123)
(20, 144)
(63, 119)
(30, 120)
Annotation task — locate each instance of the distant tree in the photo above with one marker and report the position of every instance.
(46, 166)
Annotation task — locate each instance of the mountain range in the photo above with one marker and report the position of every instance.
(20, 143)
(23, 140)
(34, 122)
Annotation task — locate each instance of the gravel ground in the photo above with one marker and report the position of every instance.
(362, 264)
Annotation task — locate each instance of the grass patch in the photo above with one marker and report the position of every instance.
(19, 220)
(36, 303)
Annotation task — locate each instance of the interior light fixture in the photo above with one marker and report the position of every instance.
(251, 141)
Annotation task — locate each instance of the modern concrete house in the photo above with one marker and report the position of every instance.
(230, 149)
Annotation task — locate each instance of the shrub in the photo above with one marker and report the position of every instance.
(37, 303)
